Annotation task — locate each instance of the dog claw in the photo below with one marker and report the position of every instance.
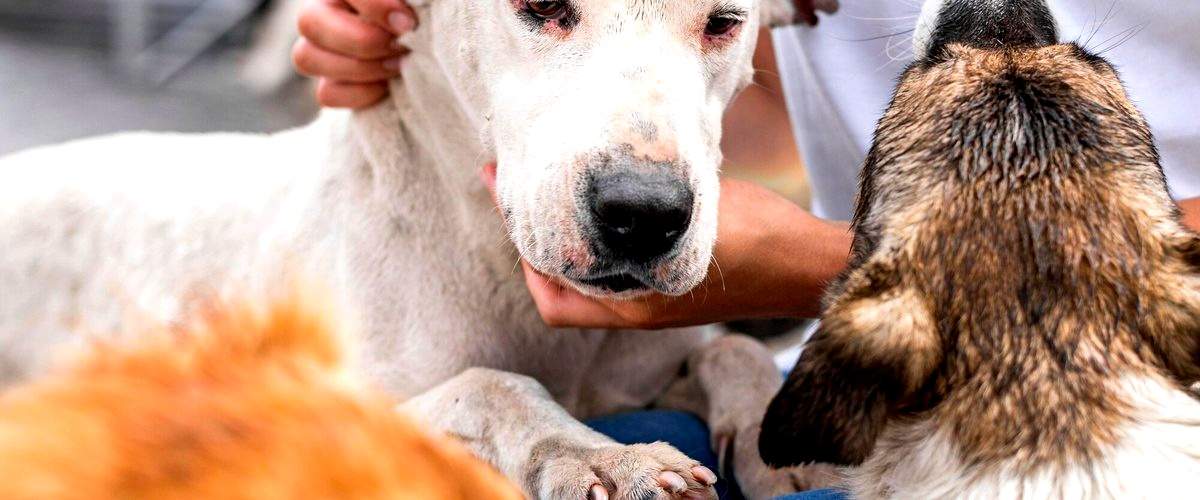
(704, 476)
(597, 493)
(672, 482)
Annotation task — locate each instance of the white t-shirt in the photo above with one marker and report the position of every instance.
(840, 75)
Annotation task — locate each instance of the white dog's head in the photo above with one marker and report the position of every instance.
(605, 118)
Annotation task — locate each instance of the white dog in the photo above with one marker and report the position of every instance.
(605, 118)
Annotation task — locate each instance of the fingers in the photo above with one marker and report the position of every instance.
(350, 95)
(312, 60)
(560, 306)
(806, 10)
(563, 306)
(827, 6)
(394, 15)
(335, 28)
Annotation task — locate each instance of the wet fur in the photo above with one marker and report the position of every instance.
(1020, 318)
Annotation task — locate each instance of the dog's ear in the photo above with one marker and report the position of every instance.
(1175, 321)
(829, 411)
(870, 356)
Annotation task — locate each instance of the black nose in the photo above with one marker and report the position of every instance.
(639, 216)
(993, 24)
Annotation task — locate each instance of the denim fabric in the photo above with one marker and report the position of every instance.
(684, 431)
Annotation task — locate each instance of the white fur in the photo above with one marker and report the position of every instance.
(386, 204)
(1158, 457)
(926, 24)
(554, 104)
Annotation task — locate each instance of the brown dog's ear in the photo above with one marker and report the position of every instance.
(871, 355)
(1191, 256)
(1175, 321)
(829, 411)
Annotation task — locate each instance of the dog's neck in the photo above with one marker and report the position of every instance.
(430, 131)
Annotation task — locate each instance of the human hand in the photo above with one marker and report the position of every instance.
(772, 260)
(350, 47)
(806, 10)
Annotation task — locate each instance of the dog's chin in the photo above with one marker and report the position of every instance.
(625, 285)
(621, 286)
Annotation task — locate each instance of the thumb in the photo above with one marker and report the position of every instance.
(562, 306)
(806, 10)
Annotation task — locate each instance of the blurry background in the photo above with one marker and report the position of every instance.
(75, 68)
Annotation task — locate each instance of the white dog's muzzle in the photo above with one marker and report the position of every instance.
(633, 214)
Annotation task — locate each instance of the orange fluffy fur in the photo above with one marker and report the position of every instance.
(244, 403)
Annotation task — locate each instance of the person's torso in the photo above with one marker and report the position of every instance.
(839, 78)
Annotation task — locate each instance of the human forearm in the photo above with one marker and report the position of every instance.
(788, 256)
(819, 250)
(772, 259)
(1191, 213)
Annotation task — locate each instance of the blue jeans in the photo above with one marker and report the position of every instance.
(689, 435)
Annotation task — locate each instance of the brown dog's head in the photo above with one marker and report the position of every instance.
(1016, 253)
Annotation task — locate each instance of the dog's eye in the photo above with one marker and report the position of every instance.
(548, 10)
(721, 25)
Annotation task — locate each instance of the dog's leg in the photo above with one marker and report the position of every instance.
(512, 422)
(729, 382)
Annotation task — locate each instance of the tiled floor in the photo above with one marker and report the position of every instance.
(53, 90)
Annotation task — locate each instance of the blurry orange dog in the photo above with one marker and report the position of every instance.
(245, 403)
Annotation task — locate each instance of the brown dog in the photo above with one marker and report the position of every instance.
(1022, 315)
(245, 404)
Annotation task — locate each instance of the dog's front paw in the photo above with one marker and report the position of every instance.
(564, 470)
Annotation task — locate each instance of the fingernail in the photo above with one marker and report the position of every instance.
(400, 22)
(598, 493)
(392, 65)
(705, 475)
